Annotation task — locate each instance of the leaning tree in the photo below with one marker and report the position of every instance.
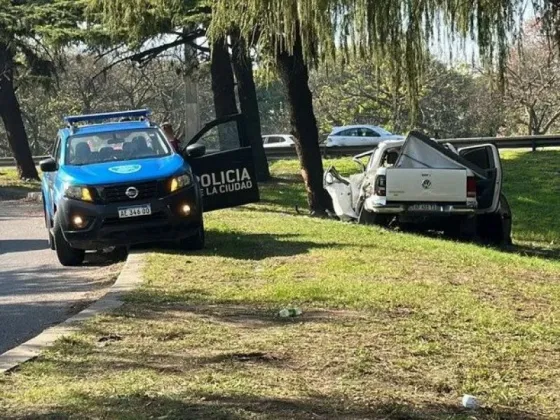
(30, 31)
(297, 35)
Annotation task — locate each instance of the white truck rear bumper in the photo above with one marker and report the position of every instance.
(376, 204)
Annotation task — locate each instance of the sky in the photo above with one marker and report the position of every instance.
(467, 53)
(451, 52)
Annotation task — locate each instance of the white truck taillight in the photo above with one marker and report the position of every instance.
(471, 187)
(380, 185)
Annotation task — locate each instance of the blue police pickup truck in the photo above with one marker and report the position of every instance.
(114, 180)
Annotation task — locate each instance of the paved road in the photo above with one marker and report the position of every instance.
(35, 291)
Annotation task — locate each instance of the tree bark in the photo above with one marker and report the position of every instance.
(243, 70)
(223, 89)
(10, 113)
(295, 78)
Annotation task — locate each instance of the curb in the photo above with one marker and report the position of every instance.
(128, 280)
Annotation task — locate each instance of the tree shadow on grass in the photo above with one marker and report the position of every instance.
(522, 250)
(118, 359)
(249, 246)
(249, 315)
(237, 407)
(532, 251)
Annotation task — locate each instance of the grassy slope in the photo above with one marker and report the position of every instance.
(532, 185)
(13, 188)
(394, 325)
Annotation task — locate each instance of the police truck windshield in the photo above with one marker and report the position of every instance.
(86, 149)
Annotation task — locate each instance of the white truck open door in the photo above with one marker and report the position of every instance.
(486, 157)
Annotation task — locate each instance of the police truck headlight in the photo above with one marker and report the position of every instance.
(78, 193)
(179, 182)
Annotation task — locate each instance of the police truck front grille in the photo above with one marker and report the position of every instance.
(117, 193)
(141, 220)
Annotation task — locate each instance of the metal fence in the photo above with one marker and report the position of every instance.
(518, 142)
(10, 161)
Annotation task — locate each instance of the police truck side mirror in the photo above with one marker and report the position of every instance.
(195, 150)
(48, 165)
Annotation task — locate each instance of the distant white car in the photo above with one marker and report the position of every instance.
(359, 135)
(272, 141)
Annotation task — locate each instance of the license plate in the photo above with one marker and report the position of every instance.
(135, 211)
(424, 207)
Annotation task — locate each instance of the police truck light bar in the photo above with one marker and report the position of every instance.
(138, 113)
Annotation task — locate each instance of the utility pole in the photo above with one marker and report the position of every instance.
(192, 111)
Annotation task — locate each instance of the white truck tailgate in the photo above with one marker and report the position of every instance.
(427, 185)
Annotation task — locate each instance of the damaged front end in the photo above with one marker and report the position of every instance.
(346, 193)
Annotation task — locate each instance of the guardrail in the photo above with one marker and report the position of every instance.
(517, 142)
(10, 161)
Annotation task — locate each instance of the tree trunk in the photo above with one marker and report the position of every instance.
(10, 113)
(295, 78)
(242, 67)
(223, 90)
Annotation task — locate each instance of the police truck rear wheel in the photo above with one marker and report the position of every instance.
(67, 255)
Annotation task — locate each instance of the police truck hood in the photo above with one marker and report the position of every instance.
(115, 172)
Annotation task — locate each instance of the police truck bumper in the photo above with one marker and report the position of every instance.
(174, 217)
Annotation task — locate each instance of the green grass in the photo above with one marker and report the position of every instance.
(11, 187)
(532, 186)
(394, 325)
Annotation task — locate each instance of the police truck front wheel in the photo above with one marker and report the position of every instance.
(67, 255)
(48, 226)
(194, 242)
(51, 240)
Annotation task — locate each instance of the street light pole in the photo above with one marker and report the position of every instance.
(192, 112)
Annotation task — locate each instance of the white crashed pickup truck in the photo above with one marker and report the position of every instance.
(421, 183)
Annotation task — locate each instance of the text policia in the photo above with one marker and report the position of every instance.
(223, 182)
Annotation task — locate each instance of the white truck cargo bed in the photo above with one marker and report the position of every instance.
(426, 185)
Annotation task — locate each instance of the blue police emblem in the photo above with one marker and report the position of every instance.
(125, 169)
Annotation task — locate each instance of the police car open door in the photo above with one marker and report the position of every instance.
(226, 171)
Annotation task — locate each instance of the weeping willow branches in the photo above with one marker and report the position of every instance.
(398, 31)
